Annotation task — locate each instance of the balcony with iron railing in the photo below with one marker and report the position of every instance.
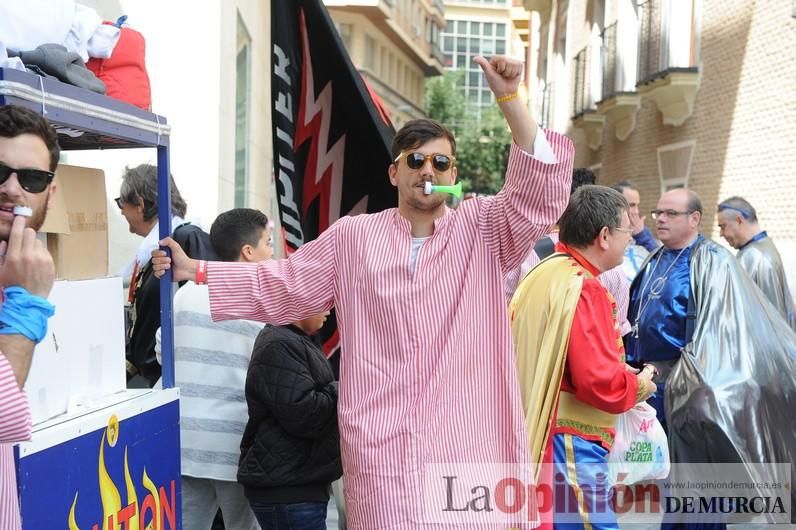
(582, 100)
(668, 71)
(667, 40)
(584, 110)
(415, 31)
(609, 59)
(619, 104)
(408, 30)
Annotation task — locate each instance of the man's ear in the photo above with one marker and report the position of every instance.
(602, 238)
(392, 171)
(454, 174)
(50, 194)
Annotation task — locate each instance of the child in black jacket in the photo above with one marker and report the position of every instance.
(290, 451)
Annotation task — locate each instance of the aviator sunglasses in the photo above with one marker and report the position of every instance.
(416, 160)
(31, 180)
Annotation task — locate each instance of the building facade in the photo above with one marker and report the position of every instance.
(395, 46)
(210, 77)
(482, 27)
(671, 93)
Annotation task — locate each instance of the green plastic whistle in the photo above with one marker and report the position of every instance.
(455, 190)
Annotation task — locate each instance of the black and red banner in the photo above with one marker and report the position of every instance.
(331, 134)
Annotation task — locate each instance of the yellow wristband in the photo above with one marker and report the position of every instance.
(503, 99)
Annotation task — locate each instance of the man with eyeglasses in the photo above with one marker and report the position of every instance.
(29, 154)
(138, 204)
(705, 326)
(565, 327)
(659, 293)
(427, 371)
(757, 254)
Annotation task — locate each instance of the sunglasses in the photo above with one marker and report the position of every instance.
(416, 160)
(31, 180)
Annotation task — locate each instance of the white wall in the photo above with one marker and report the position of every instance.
(190, 57)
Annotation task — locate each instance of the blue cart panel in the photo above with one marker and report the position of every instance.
(125, 475)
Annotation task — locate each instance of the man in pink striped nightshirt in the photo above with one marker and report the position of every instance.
(427, 372)
(29, 153)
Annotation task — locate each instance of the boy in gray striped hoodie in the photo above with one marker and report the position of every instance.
(210, 364)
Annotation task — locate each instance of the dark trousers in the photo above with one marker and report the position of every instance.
(297, 516)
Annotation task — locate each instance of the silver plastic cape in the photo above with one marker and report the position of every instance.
(732, 396)
(763, 263)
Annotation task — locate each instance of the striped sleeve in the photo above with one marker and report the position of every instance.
(616, 282)
(277, 292)
(513, 278)
(15, 419)
(531, 201)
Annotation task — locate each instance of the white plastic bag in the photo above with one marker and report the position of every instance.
(641, 450)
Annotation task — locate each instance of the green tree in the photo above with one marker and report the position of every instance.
(444, 99)
(482, 136)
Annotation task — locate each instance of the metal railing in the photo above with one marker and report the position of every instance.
(610, 60)
(655, 40)
(649, 40)
(582, 100)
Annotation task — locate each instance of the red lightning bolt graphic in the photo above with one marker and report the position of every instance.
(323, 174)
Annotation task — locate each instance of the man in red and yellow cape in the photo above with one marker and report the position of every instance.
(570, 359)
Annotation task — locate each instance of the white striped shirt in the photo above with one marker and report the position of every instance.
(427, 369)
(211, 360)
(15, 426)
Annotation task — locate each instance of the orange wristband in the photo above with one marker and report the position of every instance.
(201, 272)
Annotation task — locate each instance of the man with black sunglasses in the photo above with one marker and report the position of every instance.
(757, 254)
(29, 153)
(27, 167)
(428, 373)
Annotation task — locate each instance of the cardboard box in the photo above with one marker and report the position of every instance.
(82, 357)
(77, 224)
